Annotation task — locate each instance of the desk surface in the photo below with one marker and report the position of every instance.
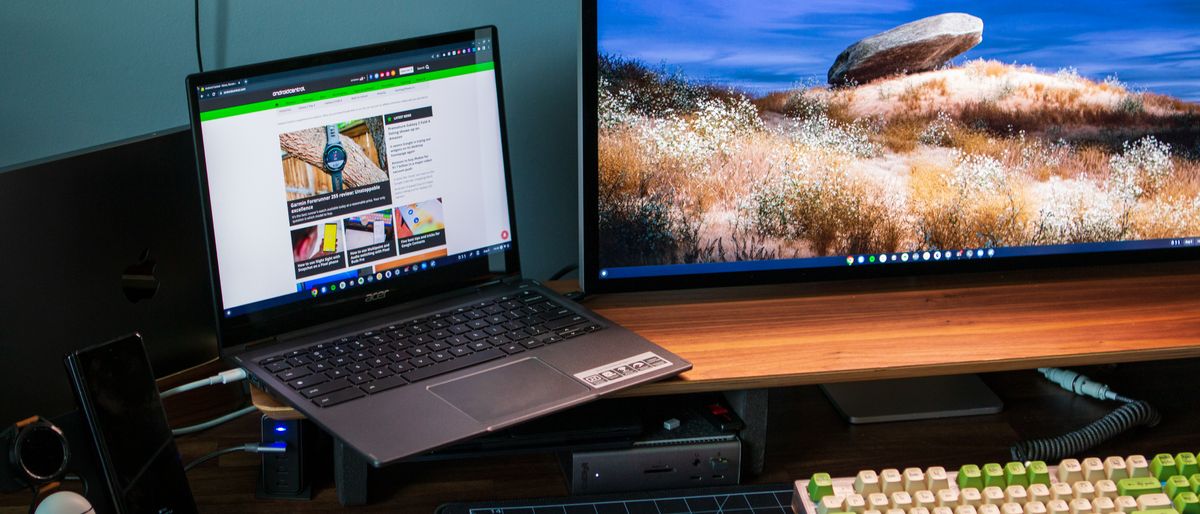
(797, 334)
(805, 436)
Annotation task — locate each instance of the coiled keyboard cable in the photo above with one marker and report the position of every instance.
(1132, 414)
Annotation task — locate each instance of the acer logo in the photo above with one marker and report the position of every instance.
(378, 295)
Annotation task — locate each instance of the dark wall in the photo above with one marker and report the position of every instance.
(79, 74)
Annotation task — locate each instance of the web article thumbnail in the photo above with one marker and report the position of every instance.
(330, 170)
(421, 226)
(370, 237)
(318, 249)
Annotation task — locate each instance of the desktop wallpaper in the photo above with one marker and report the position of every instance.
(734, 130)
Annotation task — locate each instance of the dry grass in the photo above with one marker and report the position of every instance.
(987, 68)
(901, 135)
(777, 189)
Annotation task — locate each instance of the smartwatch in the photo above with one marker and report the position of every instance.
(334, 156)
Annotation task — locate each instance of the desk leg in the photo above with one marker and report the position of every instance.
(349, 474)
(751, 405)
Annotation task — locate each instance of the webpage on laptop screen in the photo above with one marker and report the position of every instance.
(337, 176)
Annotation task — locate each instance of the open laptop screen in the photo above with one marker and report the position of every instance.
(352, 172)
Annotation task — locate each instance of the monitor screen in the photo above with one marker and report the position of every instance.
(754, 136)
(344, 173)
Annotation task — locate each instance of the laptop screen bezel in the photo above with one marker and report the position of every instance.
(242, 329)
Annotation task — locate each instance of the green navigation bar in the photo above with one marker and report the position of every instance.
(344, 91)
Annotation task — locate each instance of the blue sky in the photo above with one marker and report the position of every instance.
(766, 45)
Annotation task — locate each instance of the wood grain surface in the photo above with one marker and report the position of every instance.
(824, 332)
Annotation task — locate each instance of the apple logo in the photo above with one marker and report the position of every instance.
(138, 281)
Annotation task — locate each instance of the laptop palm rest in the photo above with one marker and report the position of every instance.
(504, 391)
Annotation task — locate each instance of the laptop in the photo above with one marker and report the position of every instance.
(111, 253)
(363, 249)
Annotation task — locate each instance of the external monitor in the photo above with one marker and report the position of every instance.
(748, 141)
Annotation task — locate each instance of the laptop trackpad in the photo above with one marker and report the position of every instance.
(507, 390)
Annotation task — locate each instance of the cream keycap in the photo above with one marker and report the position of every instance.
(1057, 507)
(1012, 508)
(872, 511)
(1115, 468)
(896, 511)
(936, 479)
(1080, 506)
(1153, 501)
(866, 482)
(855, 503)
(1015, 494)
(989, 509)
(947, 498)
(943, 510)
(1106, 488)
(1084, 490)
(993, 495)
(1035, 507)
(877, 501)
(1103, 505)
(1069, 471)
(1137, 466)
(901, 500)
(1061, 491)
(890, 481)
(914, 480)
(970, 496)
(966, 509)
(1093, 469)
(830, 503)
(918, 510)
(1039, 493)
(1126, 504)
(924, 498)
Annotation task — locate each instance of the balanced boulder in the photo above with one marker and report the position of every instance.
(914, 47)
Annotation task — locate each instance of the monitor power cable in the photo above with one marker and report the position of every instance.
(276, 447)
(1132, 413)
(196, 16)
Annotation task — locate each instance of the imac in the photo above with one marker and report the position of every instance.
(744, 142)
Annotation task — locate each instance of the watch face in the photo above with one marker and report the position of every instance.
(335, 158)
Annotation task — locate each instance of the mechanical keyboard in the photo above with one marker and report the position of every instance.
(1164, 484)
(399, 354)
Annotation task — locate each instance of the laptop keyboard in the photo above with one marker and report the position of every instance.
(399, 354)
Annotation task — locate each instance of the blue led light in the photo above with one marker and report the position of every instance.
(280, 428)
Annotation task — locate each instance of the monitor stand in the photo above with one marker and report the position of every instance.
(907, 399)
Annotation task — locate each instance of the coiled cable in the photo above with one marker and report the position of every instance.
(1132, 414)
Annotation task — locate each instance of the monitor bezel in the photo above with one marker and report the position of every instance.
(589, 275)
(256, 326)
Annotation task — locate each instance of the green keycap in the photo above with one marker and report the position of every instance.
(1163, 466)
(1038, 473)
(1187, 503)
(993, 475)
(1138, 486)
(970, 476)
(1177, 484)
(1014, 474)
(1194, 481)
(820, 486)
(1187, 463)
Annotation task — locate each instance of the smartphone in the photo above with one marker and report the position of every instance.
(116, 391)
(330, 242)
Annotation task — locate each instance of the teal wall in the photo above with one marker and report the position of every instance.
(75, 74)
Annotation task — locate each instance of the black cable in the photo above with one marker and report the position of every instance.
(211, 456)
(199, 58)
(33, 501)
(1133, 413)
(563, 272)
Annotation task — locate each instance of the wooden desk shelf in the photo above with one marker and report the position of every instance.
(808, 333)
